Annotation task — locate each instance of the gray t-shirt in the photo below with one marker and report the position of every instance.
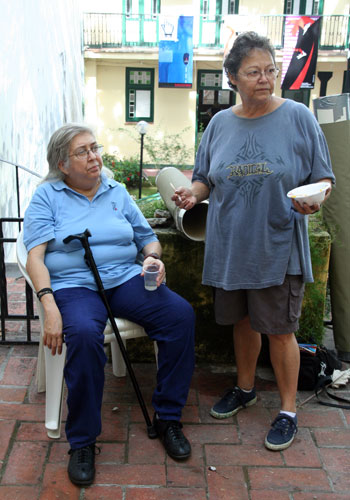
(253, 235)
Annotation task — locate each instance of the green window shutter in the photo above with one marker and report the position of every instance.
(139, 94)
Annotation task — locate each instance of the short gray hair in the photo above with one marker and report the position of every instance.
(58, 148)
(241, 48)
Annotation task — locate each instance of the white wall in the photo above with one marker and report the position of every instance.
(336, 7)
(102, 6)
(41, 81)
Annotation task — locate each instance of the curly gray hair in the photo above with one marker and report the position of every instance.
(242, 46)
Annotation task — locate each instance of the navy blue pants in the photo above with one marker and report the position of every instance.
(165, 316)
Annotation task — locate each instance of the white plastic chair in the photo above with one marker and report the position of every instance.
(49, 373)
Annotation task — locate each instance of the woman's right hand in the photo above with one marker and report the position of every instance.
(184, 198)
(39, 274)
(53, 338)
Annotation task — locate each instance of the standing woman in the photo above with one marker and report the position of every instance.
(257, 256)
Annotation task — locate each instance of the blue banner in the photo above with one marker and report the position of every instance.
(176, 52)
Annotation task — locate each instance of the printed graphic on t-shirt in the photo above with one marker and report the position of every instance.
(250, 169)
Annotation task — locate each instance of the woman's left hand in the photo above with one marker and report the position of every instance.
(305, 209)
(157, 262)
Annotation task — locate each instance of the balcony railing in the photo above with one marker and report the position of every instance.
(117, 30)
(120, 30)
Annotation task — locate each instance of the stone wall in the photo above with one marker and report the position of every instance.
(183, 259)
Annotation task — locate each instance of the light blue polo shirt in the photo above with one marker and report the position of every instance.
(118, 228)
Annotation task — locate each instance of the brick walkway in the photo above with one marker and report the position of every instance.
(132, 467)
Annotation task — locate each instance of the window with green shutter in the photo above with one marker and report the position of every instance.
(139, 94)
(211, 98)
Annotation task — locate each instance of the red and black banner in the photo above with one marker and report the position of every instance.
(300, 52)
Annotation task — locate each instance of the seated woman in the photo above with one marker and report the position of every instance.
(76, 195)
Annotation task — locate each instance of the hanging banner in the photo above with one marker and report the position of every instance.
(346, 85)
(301, 34)
(175, 66)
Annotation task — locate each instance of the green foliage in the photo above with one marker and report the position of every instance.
(163, 150)
(109, 160)
(126, 171)
(170, 150)
(311, 325)
(148, 207)
(200, 132)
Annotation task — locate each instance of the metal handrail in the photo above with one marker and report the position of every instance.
(17, 182)
(4, 309)
(23, 168)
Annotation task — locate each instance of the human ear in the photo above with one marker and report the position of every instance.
(232, 79)
(63, 166)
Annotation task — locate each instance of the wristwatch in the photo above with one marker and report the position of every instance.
(152, 254)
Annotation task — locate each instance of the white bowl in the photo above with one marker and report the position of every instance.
(310, 193)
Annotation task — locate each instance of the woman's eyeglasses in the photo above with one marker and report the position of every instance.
(255, 74)
(82, 154)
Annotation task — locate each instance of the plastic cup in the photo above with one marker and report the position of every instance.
(150, 276)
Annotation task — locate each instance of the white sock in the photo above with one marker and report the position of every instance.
(290, 413)
(247, 392)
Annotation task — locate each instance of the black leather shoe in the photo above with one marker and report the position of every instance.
(172, 437)
(81, 467)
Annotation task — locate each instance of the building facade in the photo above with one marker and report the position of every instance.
(41, 83)
(121, 51)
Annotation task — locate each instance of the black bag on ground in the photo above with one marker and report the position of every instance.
(315, 366)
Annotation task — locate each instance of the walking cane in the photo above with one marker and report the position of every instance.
(90, 261)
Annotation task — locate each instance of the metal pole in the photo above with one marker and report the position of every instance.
(3, 286)
(141, 165)
(18, 198)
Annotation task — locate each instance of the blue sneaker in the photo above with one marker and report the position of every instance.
(282, 432)
(233, 401)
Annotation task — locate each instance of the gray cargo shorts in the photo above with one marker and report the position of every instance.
(272, 310)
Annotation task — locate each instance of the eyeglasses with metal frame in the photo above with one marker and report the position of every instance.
(256, 74)
(82, 154)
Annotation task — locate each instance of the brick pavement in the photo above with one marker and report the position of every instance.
(132, 467)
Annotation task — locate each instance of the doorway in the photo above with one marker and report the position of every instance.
(211, 98)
